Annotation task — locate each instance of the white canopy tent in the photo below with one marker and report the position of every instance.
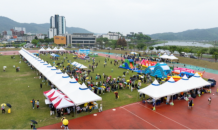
(171, 87)
(55, 49)
(61, 49)
(42, 49)
(197, 81)
(48, 49)
(82, 95)
(172, 57)
(152, 90)
(164, 56)
(133, 53)
(70, 87)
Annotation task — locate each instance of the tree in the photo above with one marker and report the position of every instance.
(203, 51)
(145, 48)
(151, 48)
(198, 54)
(158, 47)
(78, 45)
(214, 53)
(36, 37)
(140, 46)
(180, 50)
(123, 41)
(34, 41)
(172, 48)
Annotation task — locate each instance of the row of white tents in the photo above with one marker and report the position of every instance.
(78, 65)
(79, 94)
(54, 49)
(170, 57)
(169, 88)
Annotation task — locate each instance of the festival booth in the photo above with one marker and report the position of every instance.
(71, 88)
(152, 90)
(61, 49)
(171, 87)
(42, 49)
(48, 49)
(164, 56)
(62, 102)
(133, 53)
(82, 95)
(197, 81)
(55, 49)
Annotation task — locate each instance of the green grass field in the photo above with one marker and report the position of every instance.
(15, 90)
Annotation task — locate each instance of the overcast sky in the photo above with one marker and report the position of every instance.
(101, 16)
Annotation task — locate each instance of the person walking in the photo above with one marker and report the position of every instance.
(37, 104)
(209, 100)
(41, 85)
(3, 108)
(33, 103)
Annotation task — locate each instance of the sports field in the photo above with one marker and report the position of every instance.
(19, 88)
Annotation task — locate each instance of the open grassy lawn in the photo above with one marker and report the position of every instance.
(184, 60)
(15, 90)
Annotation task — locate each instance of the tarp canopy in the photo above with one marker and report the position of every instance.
(42, 49)
(62, 102)
(171, 87)
(152, 90)
(70, 87)
(61, 49)
(172, 57)
(133, 53)
(55, 49)
(164, 56)
(82, 95)
(48, 49)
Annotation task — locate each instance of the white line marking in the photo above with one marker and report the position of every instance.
(167, 117)
(130, 104)
(140, 118)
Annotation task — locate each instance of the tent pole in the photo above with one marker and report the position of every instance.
(172, 98)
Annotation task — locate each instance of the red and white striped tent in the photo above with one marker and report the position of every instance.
(61, 101)
(52, 94)
(58, 99)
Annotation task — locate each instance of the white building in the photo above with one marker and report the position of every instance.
(52, 32)
(111, 36)
(52, 22)
(20, 29)
(59, 23)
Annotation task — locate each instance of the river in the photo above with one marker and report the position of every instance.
(182, 43)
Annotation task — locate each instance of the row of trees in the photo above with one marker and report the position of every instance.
(45, 40)
(197, 51)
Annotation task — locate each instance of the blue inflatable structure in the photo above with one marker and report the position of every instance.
(161, 70)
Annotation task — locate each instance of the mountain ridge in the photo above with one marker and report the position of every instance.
(192, 34)
(7, 24)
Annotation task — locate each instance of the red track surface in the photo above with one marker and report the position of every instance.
(140, 116)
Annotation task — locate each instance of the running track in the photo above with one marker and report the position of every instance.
(140, 116)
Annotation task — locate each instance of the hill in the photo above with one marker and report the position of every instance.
(7, 24)
(196, 34)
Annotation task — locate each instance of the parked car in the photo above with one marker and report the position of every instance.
(184, 54)
(213, 83)
(193, 57)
